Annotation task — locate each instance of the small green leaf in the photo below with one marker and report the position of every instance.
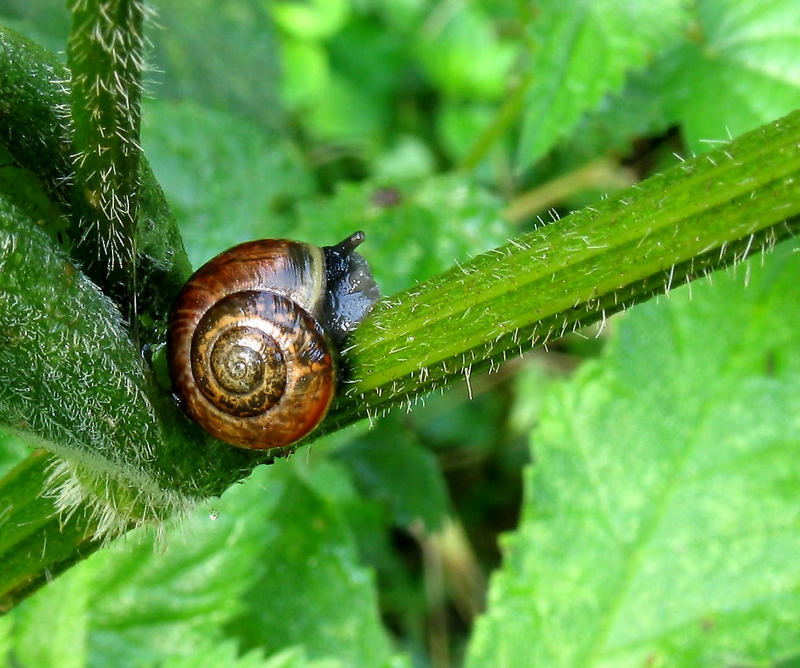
(400, 474)
(225, 178)
(582, 51)
(661, 523)
(448, 42)
(739, 71)
(346, 112)
(306, 73)
(307, 587)
(635, 111)
(735, 70)
(407, 160)
(315, 19)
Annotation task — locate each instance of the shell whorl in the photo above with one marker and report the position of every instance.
(248, 358)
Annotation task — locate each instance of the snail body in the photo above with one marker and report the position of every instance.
(251, 341)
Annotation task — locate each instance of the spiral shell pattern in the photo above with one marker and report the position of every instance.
(248, 362)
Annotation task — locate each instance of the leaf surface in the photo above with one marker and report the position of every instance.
(739, 71)
(59, 328)
(269, 570)
(582, 51)
(660, 524)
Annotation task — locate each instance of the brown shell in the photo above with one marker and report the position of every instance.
(248, 360)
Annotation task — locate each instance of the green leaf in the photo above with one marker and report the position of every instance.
(270, 567)
(307, 587)
(582, 51)
(346, 112)
(81, 367)
(36, 641)
(154, 604)
(735, 71)
(447, 44)
(25, 192)
(739, 71)
(660, 523)
(226, 179)
(315, 19)
(407, 160)
(623, 117)
(401, 474)
(306, 73)
(12, 450)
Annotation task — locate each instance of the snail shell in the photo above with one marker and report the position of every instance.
(250, 342)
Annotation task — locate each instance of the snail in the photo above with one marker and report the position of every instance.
(252, 337)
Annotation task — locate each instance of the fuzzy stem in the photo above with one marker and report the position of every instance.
(700, 216)
(35, 543)
(36, 129)
(104, 55)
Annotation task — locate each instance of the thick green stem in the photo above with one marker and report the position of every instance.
(105, 58)
(36, 543)
(36, 129)
(700, 216)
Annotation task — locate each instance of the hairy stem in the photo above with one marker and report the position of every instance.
(36, 129)
(104, 55)
(700, 216)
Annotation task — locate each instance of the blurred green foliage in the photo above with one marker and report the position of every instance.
(311, 119)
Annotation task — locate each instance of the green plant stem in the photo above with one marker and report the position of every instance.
(36, 129)
(700, 216)
(36, 543)
(104, 55)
